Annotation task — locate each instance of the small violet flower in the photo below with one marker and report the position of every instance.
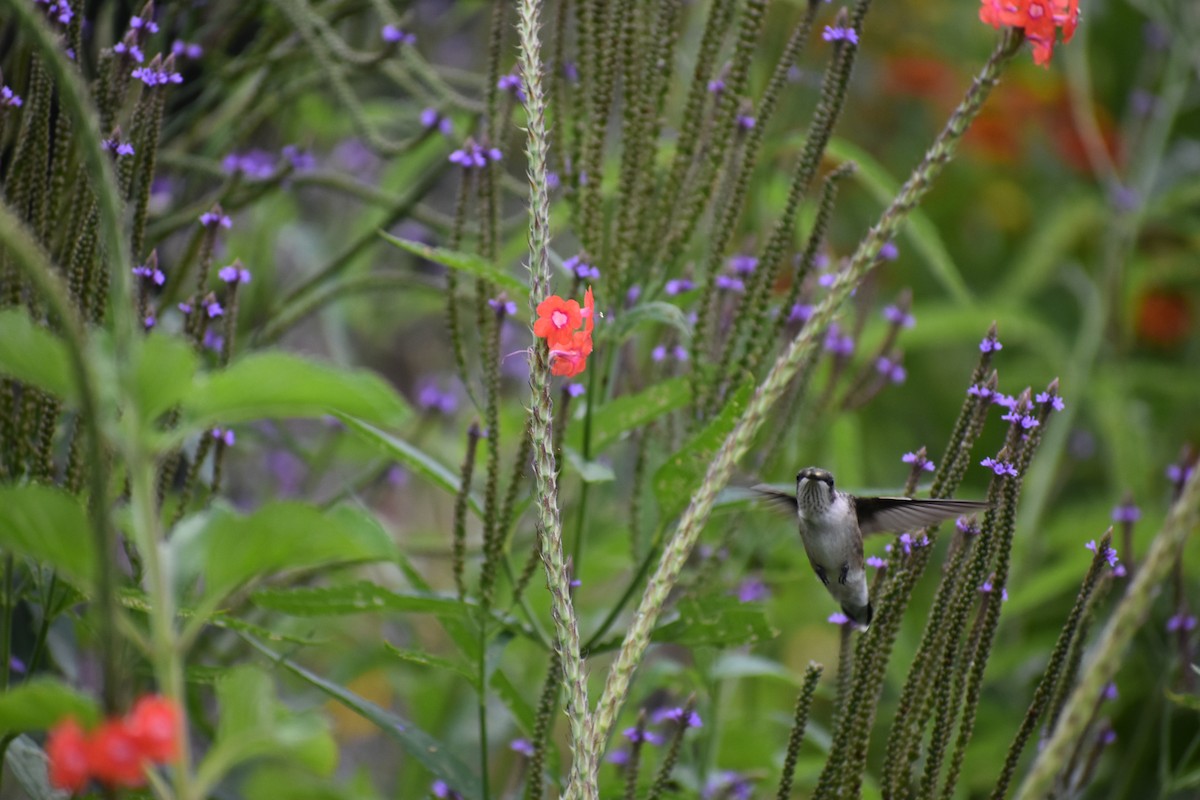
(743, 264)
(522, 746)
(1054, 400)
(893, 371)
(903, 319)
(473, 154)
(836, 33)
(187, 49)
(502, 305)
(1109, 554)
(716, 86)
(634, 735)
(9, 98)
(1181, 622)
(987, 588)
(581, 269)
(838, 343)
(393, 35)
(214, 309)
(432, 118)
(212, 219)
(689, 719)
(876, 562)
(801, 312)
(225, 436)
(838, 618)
(730, 284)
(153, 274)
(511, 83)
(234, 274)
(990, 344)
(999, 467)
(1126, 512)
(746, 122)
(920, 462)
(889, 251)
(575, 389)
(156, 77)
(752, 590)
(118, 147)
(678, 286)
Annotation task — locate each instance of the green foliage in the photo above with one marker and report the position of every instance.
(32, 354)
(50, 526)
(40, 703)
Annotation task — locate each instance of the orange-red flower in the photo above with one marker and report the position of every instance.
(67, 748)
(113, 755)
(1040, 19)
(558, 322)
(153, 723)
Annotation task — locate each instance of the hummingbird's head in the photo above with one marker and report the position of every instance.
(814, 489)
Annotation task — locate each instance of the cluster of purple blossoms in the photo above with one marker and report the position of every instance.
(213, 341)
(746, 122)
(581, 269)
(980, 391)
(215, 219)
(393, 35)
(130, 49)
(899, 318)
(149, 321)
(186, 49)
(9, 98)
(838, 343)
(906, 542)
(678, 286)
(60, 11)
(889, 251)
(431, 398)
(877, 562)
(256, 164)
(156, 77)
(918, 461)
(224, 435)
(966, 526)
(990, 344)
(234, 274)
(473, 154)
(729, 785)
(999, 467)
(1127, 513)
(570, 71)
(1054, 400)
(743, 264)
(1181, 622)
(894, 371)
(143, 25)
(836, 33)
(635, 735)
(213, 308)
(503, 306)
(152, 274)
(1109, 554)
(838, 618)
(1024, 420)
(432, 118)
(512, 83)
(118, 147)
(801, 312)
(442, 791)
(679, 352)
(987, 588)
(1110, 692)
(716, 86)
(522, 746)
(730, 284)
(574, 389)
(677, 714)
(300, 160)
(1180, 473)
(752, 590)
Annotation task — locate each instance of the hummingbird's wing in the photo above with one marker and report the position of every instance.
(777, 499)
(900, 514)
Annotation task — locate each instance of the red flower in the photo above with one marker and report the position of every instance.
(557, 321)
(113, 755)
(153, 724)
(1040, 19)
(67, 748)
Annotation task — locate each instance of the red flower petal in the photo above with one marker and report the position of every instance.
(67, 749)
(154, 726)
(114, 757)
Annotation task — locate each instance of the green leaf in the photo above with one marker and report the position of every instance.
(165, 368)
(717, 620)
(416, 460)
(437, 662)
(735, 664)
(589, 471)
(39, 703)
(919, 228)
(48, 525)
(355, 598)
(278, 385)
(463, 262)
(32, 354)
(286, 535)
(656, 312)
(30, 767)
(436, 756)
(631, 411)
(680, 476)
(1188, 701)
(522, 712)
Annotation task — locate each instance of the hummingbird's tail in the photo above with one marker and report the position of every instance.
(859, 615)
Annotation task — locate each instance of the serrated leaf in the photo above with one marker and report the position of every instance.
(589, 471)
(631, 411)
(165, 368)
(282, 386)
(48, 525)
(286, 535)
(39, 703)
(437, 662)
(33, 355)
(462, 262)
(354, 598)
(681, 474)
(716, 620)
(436, 756)
(412, 457)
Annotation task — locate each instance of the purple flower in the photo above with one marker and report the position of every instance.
(838, 618)
(800, 312)
(891, 370)
(894, 315)
(131, 50)
(581, 268)
(118, 147)
(990, 344)
(502, 305)
(1107, 736)
(397, 476)
(1005, 400)
(575, 389)
(473, 154)
(156, 77)
(1110, 692)
(570, 71)
(728, 785)
(1119, 571)
(889, 251)
(999, 467)
(838, 343)
(224, 435)
(153, 274)
(186, 308)
(876, 562)
(906, 542)
(213, 340)
(836, 33)
(980, 391)
(443, 791)
(618, 757)
(743, 264)
(149, 322)
(678, 286)
(234, 274)
(919, 461)
(680, 352)
(188, 49)
(522, 746)
(137, 23)
(1181, 622)
(987, 588)
(511, 83)
(827, 279)
(1180, 473)
(658, 353)
(1109, 554)
(716, 86)
(752, 590)
(633, 294)
(431, 398)
(690, 719)
(1126, 512)
(1054, 400)
(552, 180)
(634, 735)
(745, 121)
(966, 526)
(1024, 420)
(214, 309)
(300, 160)
(432, 118)
(730, 284)
(393, 35)
(255, 164)
(212, 219)
(9, 98)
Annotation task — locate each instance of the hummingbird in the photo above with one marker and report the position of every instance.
(833, 523)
